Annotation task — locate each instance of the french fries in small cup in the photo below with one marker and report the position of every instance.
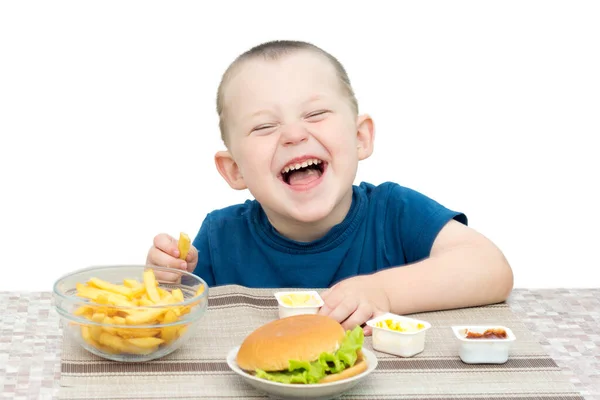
(126, 313)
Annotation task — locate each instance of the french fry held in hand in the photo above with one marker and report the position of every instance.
(184, 245)
(116, 337)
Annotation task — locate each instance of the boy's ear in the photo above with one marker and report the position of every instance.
(365, 136)
(229, 170)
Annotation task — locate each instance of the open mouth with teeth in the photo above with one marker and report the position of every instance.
(303, 173)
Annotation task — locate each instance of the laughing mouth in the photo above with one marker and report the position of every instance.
(309, 166)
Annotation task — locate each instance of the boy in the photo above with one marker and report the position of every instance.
(290, 123)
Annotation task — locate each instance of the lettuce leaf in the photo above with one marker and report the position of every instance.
(332, 363)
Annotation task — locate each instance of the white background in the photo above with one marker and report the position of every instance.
(108, 126)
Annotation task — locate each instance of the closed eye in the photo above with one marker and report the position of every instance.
(263, 128)
(317, 115)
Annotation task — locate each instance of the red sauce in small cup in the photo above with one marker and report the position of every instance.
(495, 333)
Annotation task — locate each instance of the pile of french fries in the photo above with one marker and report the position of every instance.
(105, 298)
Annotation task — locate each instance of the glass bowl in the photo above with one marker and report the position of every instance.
(130, 313)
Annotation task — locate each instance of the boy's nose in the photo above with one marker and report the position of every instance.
(293, 134)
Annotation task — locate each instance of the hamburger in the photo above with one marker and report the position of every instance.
(303, 349)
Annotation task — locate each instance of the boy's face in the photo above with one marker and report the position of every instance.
(294, 140)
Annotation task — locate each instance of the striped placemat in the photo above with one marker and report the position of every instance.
(199, 370)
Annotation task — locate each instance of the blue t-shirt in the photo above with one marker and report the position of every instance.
(387, 226)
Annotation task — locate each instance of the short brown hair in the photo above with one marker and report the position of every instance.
(274, 50)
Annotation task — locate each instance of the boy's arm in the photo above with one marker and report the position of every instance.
(464, 269)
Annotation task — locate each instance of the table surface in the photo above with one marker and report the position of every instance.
(565, 321)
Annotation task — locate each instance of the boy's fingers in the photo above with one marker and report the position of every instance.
(192, 254)
(162, 259)
(332, 300)
(362, 314)
(327, 308)
(344, 310)
(327, 292)
(167, 276)
(166, 243)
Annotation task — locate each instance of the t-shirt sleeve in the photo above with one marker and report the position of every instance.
(202, 244)
(417, 220)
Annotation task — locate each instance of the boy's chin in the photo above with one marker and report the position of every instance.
(310, 215)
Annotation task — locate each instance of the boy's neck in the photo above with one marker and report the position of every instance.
(308, 232)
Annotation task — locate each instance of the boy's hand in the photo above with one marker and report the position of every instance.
(354, 301)
(165, 253)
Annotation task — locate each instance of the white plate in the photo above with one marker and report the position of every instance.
(320, 391)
